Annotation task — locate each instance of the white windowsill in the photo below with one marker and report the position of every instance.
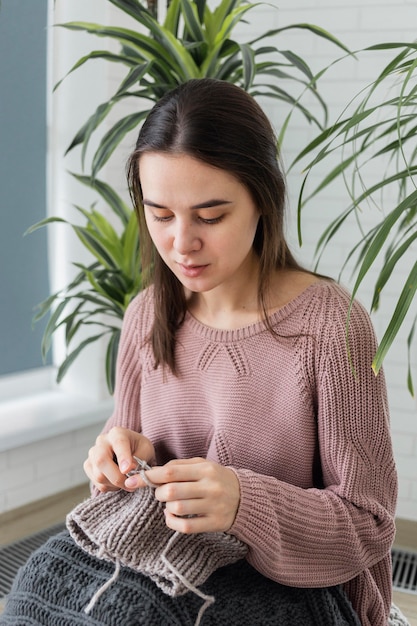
(31, 409)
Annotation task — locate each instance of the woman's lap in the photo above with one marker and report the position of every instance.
(59, 580)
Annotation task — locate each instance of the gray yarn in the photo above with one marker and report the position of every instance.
(54, 586)
(154, 569)
(396, 617)
(130, 528)
(121, 528)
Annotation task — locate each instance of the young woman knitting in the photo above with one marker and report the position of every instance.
(272, 476)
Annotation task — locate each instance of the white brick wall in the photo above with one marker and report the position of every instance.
(43, 468)
(358, 24)
(36, 470)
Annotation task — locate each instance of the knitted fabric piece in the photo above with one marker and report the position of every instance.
(59, 578)
(396, 617)
(130, 528)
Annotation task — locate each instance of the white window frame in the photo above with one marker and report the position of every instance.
(32, 405)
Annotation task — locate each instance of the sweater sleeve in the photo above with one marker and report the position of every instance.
(128, 369)
(322, 537)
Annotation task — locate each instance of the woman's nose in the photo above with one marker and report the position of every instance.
(186, 239)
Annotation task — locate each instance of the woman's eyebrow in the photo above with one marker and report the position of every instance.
(207, 204)
(151, 203)
(211, 203)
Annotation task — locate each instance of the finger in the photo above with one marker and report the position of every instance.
(196, 459)
(121, 445)
(99, 480)
(105, 471)
(187, 525)
(178, 491)
(136, 481)
(186, 470)
(186, 508)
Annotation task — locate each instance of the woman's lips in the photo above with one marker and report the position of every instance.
(192, 271)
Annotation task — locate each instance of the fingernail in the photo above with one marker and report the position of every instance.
(124, 466)
(131, 482)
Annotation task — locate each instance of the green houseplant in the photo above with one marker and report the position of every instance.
(193, 41)
(377, 130)
(99, 293)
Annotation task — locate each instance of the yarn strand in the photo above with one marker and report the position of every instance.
(103, 588)
(141, 468)
(208, 600)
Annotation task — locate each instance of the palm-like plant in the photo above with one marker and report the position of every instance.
(379, 132)
(100, 292)
(193, 42)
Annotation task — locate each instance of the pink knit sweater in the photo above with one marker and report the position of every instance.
(308, 439)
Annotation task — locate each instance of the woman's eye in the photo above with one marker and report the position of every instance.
(211, 220)
(167, 217)
(161, 218)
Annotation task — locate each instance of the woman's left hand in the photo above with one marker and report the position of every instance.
(200, 495)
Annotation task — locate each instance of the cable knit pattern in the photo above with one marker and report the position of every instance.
(305, 430)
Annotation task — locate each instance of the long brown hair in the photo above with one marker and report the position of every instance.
(221, 125)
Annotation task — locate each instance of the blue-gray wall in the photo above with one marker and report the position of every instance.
(23, 260)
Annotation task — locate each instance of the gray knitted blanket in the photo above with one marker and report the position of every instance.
(59, 579)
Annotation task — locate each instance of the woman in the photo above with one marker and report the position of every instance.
(234, 380)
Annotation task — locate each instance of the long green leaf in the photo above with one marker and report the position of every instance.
(100, 226)
(185, 64)
(134, 77)
(315, 143)
(104, 302)
(120, 34)
(109, 195)
(113, 137)
(45, 306)
(111, 360)
(313, 28)
(172, 18)
(70, 322)
(249, 68)
(330, 177)
(50, 328)
(165, 46)
(296, 61)
(209, 65)
(44, 222)
(84, 133)
(96, 248)
(230, 21)
(388, 268)
(192, 23)
(410, 340)
(147, 48)
(225, 8)
(69, 360)
(280, 94)
(275, 71)
(139, 12)
(403, 305)
(380, 238)
(106, 290)
(130, 243)
(104, 55)
(130, 7)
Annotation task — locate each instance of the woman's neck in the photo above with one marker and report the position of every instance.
(229, 309)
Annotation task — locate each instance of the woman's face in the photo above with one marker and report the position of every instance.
(201, 219)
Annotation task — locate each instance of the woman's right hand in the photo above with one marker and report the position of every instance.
(111, 458)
